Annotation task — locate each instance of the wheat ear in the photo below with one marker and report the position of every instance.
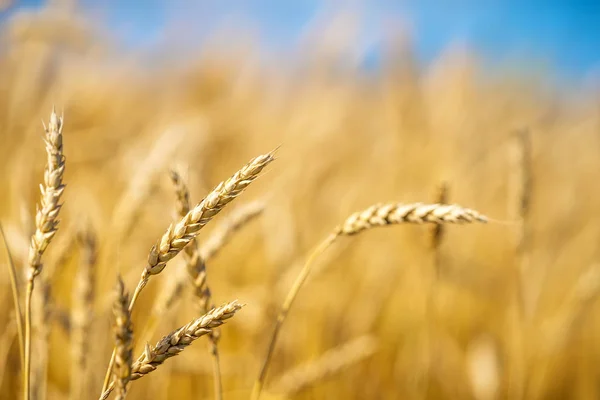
(82, 312)
(196, 267)
(375, 216)
(123, 341)
(176, 341)
(46, 222)
(181, 233)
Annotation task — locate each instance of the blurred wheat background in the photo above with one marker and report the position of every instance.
(503, 310)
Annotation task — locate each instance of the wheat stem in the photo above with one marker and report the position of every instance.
(15, 293)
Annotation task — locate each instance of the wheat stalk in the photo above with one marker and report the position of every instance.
(329, 364)
(176, 341)
(12, 272)
(42, 311)
(82, 312)
(46, 222)
(123, 341)
(182, 233)
(375, 216)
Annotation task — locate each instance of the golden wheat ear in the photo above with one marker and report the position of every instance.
(177, 341)
(377, 215)
(46, 225)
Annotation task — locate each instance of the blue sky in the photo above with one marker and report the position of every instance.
(563, 34)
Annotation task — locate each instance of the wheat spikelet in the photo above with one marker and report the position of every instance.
(374, 216)
(330, 363)
(123, 341)
(416, 213)
(82, 312)
(176, 341)
(181, 233)
(46, 223)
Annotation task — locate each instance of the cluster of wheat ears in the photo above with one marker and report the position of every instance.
(180, 237)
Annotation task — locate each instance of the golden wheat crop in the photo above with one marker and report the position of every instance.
(483, 311)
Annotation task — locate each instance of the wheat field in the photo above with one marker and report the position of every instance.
(245, 168)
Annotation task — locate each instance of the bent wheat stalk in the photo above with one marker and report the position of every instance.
(46, 222)
(176, 341)
(182, 233)
(374, 216)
